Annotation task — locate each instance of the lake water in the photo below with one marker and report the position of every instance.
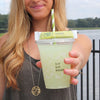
(92, 34)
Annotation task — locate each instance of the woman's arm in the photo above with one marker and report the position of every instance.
(78, 56)
(82, 46)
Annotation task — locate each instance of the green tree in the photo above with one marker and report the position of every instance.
(82, 23)
(96, 22)
(90, 22)
(71, 23)
(4, 21)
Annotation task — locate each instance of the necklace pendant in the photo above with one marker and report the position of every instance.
(36, 90)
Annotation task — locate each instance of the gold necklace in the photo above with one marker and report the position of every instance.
(35, 89)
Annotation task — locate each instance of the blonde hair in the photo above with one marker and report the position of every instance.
(19, 28)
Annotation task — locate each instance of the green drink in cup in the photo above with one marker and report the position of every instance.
(54, 47)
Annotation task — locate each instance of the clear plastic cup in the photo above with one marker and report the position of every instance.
(53, 52)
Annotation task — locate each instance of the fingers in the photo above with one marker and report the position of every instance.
(73, 81)
(75, 62)
(72, 61)
(71, 72)
(74, 54)
(38, 64)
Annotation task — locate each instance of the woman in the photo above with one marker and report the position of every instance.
(18, 50)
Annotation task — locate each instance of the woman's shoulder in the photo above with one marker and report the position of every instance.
(3, 39)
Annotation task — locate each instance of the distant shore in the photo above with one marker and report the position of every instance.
(86, 28)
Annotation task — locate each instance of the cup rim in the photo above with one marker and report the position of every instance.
(55, 41)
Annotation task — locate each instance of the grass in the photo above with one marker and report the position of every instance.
(1, 34)
(3, 28)
(87, 28)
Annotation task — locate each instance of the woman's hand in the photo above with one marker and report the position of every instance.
(76, 61)
(38, 64)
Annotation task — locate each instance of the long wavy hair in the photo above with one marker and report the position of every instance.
(19, 29)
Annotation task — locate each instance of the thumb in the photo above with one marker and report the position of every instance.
(74, 54)
(38, 64)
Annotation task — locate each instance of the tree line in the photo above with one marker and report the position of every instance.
(3, 21)
(86, 22)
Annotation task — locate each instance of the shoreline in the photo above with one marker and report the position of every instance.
(86, 28)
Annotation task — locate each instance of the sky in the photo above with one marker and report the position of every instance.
(82, 8)
(74, 8)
